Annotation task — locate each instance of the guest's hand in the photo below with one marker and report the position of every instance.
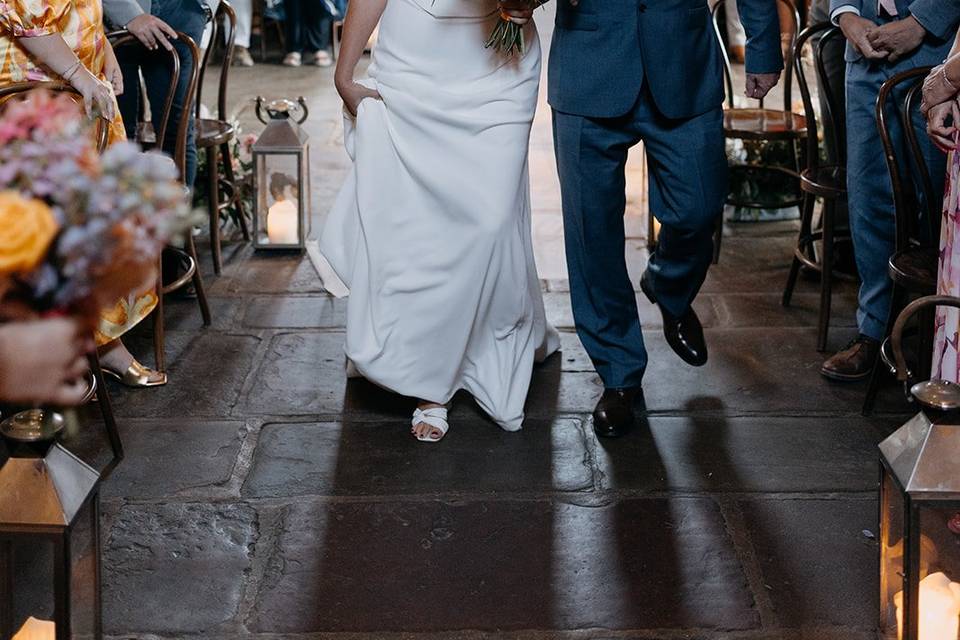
(937, 89)
(760, 84)
(111, 69)
(43, 361)
(98, 97)
(857, 30)
(353, 93)
(152, 32)
(942, 122)
(898, 38)
(519, 11)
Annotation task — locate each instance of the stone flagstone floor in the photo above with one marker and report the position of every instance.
(263, 496)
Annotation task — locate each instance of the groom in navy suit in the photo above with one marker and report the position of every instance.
(622, 72)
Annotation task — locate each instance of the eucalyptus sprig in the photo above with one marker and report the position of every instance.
(507, 36)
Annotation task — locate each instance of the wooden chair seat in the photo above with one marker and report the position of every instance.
(213, 133)
(827, 181)
(763, 124)
(916, 269)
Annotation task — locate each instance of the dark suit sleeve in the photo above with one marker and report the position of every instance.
(762, 24)
(938, 17)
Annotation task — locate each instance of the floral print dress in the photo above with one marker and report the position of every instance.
(80, 23)
(946, 358)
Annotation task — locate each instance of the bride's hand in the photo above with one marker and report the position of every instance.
(353, 93)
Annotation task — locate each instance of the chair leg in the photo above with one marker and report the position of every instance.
(159, 352)
(717, 240)
(213, 207)
(897, 304)
(806, 221)
(198, 283)
(103, 394)
(239, 213)
(826, 272)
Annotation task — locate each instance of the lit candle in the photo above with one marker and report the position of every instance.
(282, 223)
(34, 629)
(939, 608)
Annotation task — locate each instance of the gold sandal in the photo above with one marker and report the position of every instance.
(137, 376)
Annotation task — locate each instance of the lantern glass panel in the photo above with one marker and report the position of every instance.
(279, 194)
(891, 552)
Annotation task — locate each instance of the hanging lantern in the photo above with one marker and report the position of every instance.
(919, 499)
(48, 496)
(281, 166)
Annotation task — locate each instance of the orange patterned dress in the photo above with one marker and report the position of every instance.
(80, 23)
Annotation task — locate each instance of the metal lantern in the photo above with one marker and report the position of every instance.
(919, 502)
(281, 166)
(49, 497)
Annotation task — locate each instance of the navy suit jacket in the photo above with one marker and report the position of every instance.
(939, 17)
(604, 51)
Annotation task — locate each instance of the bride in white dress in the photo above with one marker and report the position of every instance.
(431, 232)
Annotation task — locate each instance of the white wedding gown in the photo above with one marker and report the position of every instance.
(431, 232)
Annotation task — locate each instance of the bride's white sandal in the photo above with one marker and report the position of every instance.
(436, 417)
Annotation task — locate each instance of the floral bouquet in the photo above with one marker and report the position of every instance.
(78, 230)
(507, 36)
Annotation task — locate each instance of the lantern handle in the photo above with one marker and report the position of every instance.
(904, 374)
(304, 109)
(259, 110)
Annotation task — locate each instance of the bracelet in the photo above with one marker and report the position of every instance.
(946, 79)
(72, 71)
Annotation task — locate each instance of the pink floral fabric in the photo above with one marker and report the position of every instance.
(946, 358)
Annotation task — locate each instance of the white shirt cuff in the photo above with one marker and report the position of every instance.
(835, 16)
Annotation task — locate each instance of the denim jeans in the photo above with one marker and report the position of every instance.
(308, 25)
(185, 16)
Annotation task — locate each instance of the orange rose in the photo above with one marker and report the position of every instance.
(27, 227)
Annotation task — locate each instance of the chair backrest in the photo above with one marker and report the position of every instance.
(22, 88)
(820, 36)
(122, 39)
(905, 162)
(225, 19)
(124, 42)
(789, 28)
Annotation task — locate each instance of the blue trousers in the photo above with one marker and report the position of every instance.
(688, 185)
(308, 25)
(186, 16)
(870, 190)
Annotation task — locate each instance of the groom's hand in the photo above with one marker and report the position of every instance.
(760, 84)
(519, 11)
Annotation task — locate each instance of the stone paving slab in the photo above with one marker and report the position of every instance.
(817, 565)
(502, 565)
(175, 456)
(177, 568)
(363, 458)
(748, 454)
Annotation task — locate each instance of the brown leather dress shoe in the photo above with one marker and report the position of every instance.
(854, 362)
(614, 415)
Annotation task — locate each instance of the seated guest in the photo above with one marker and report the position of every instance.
(309, 26)
(884, 37)
(63, 41)
(155, 24)
(941, 93)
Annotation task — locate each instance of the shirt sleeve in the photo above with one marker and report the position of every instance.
(31, 18)
(839, 11)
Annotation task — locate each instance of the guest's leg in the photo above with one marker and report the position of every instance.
(318, 26)
(872, 220)
(129, 100)
(591, 157)
(244, 9)
(688, 186)
(293, 24)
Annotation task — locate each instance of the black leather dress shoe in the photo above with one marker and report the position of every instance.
(614, 415)
(684, 333)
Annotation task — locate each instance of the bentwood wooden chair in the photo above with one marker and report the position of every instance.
(913, 266)
(216, 135)
(152, 138)
(826, 181)
(98, 385)
(760, 124)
